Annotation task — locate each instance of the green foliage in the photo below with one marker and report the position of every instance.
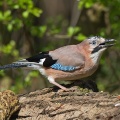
(86, 3)
(80, 37)
(22, 31)
(26, 83)
(73, 30)
(14, 16)
(9, 49)
(16, 12)
(38, 31)
(54, 25)
(31, 74)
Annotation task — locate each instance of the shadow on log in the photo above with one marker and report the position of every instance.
(79, 104)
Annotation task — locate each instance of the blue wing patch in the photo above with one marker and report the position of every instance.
(58, 66)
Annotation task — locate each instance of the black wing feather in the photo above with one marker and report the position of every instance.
(48, 59)
(36, 58)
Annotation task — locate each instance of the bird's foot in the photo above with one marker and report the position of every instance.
(72, 89)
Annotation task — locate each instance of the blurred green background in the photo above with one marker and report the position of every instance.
(30, 26)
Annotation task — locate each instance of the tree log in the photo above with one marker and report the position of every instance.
(76, 104)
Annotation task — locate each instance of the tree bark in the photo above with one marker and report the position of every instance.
(76, 104)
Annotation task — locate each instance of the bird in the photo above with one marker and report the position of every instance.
(69, 62)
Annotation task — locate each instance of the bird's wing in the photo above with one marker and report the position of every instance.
(66, 58)
(43, 59)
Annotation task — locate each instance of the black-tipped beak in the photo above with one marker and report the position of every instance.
(107, 43)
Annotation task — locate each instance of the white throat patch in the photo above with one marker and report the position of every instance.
(96, 57)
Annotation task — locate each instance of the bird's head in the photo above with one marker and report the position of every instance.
(99, 44)
(96, 45)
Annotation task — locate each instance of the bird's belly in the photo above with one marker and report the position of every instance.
(61, 75)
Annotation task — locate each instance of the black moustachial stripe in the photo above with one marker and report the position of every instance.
(96, 49)
(48, 59)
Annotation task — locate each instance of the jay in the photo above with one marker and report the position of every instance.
(70, 62)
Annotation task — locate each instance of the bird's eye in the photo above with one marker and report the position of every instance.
(94, 42)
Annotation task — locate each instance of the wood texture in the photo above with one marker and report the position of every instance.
(77, 104)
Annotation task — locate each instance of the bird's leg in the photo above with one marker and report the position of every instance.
(51, 80)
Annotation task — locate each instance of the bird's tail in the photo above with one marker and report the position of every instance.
(15, 65)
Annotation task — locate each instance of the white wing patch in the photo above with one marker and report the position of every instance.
(42, 61)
